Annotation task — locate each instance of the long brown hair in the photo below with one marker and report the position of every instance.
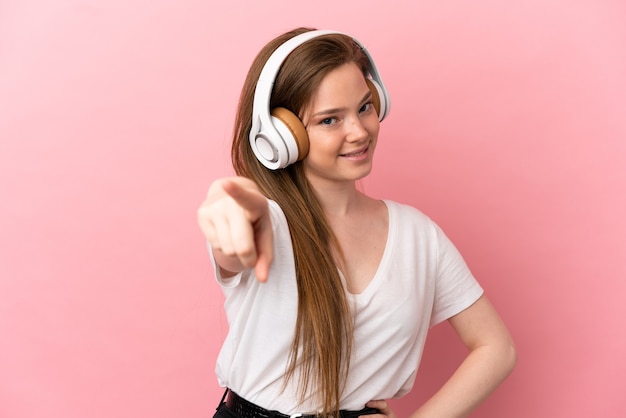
(323, 337)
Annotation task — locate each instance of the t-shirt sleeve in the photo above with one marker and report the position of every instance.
(456, 289)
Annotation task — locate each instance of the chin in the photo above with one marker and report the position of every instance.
(364, 172)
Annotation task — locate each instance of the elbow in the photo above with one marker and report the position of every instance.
(509, 358)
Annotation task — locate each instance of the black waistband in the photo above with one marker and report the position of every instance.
(246, 409)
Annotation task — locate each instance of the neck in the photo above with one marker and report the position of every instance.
(338, 199)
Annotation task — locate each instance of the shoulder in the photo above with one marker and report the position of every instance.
(406, 213)
(409, 223)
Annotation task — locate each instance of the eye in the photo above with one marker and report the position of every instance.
(366, 107)
(328, 121)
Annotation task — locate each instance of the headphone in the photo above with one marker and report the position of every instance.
(278, 137)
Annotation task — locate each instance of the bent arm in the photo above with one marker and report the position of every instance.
(491, 359)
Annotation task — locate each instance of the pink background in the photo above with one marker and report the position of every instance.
(508, 127)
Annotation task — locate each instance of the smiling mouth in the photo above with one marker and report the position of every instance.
(356, 153)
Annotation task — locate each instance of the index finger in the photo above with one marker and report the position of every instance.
(249, 199)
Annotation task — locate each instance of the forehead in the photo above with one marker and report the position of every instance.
(341, 87)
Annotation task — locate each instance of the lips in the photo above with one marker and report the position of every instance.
(356, 153)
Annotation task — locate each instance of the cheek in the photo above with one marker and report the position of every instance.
(318, 152)
(322, 143)
(373, 127)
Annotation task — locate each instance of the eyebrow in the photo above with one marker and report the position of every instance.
(339, 109)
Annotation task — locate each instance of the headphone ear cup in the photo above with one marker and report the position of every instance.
(378, 98)
(292, 130)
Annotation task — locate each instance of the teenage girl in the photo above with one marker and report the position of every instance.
(329, 293)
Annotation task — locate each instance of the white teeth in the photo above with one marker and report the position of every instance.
(355, 154)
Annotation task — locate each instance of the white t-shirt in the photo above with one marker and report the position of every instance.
(421, 281)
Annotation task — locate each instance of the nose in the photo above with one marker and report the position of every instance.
(356, 130)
